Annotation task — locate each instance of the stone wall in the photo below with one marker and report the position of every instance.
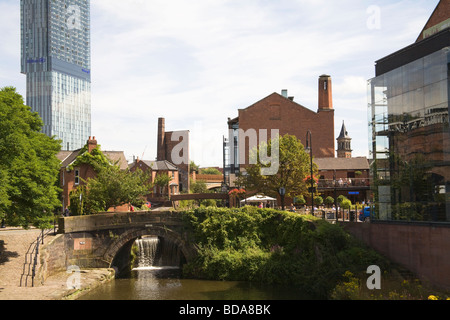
(423, 249)
(52, 259)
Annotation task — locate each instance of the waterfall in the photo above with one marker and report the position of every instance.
(157, 253)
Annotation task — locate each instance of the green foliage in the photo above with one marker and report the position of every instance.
(300, 200)
(96, 159)
(162, 180)
(199, 186)
(28, 164)
(193, 167)
(294, 167)
(318, 200)
(329, 201)
(111, 188)
(274, 247)
(211, 171)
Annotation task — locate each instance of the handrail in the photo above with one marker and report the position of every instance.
(34, 253)
(344, 183)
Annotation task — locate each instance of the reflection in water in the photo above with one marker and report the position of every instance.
(157, 276)
(167, 284)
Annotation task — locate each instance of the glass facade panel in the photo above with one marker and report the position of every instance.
(410, 140)
(55, 43)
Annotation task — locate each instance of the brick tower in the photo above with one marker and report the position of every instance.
(325, 93)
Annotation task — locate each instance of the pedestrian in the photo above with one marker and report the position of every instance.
(66, 212)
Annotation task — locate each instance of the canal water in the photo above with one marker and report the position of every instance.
(156, 276)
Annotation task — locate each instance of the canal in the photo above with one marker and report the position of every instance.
(156, 276)
(167, 284)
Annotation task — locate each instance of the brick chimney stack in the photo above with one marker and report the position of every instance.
(92, 144)
(325, 93)
(161, 148)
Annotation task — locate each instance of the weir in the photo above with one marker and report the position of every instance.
(155, 253)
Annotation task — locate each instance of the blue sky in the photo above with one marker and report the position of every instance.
(196, 63)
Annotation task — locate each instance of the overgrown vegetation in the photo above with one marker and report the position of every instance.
(276, 247)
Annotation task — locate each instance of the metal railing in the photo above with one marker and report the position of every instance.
(344, 183)
(31, 259)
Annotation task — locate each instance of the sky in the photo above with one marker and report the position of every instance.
(195, 63)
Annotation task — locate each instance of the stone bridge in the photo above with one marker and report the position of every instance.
(105, 240)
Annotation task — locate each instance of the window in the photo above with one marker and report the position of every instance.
(77, 176)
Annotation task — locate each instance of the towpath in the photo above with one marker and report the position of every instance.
(15, 243)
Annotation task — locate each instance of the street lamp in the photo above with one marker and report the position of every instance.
(309, 150)
(335, 196)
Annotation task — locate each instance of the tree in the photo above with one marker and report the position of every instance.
(28, 164)
(193, 167)
(318, 200)
(162, 180)
(112, 187)
(300, 200)
(329, 201)
(199, 186)
(210, 171)
(293, 168)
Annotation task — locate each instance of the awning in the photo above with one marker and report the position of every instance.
(259, 198)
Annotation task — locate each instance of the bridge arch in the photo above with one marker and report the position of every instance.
(128, 236)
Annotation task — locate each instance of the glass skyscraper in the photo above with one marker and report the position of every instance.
(55, 47)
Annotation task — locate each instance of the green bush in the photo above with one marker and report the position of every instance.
(274, 247)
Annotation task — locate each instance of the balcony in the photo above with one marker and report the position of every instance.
(344, 184)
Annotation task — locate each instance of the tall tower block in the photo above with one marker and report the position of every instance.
(56, 59)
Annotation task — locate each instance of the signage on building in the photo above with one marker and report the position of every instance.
(40, 60)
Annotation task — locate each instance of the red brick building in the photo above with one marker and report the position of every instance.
(158, 168)
(173, 146)
(73, 176)
(280, 112)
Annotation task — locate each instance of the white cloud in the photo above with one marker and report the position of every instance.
(196, 62)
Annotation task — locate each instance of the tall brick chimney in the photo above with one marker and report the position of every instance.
(92, 144)
(325, 93)
(161, 145)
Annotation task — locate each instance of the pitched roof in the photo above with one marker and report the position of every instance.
(358, 163)
(288, 100)
(117, 156)
(344, 133)
(162, 165)
(438, 21)
(68, 157)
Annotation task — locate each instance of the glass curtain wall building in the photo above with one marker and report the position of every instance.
(409, 132)
(55, 47)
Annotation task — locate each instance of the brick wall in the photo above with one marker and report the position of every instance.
(278, 112)
(440, 14)
(421, 249)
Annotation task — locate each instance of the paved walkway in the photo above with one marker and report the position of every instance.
(14, 245)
